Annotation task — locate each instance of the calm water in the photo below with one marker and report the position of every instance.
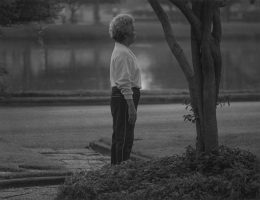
(84, 65)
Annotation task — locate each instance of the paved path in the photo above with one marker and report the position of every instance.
(69, 161)
(77, 159)
(73, 160)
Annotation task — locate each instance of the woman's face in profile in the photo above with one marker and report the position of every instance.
(131, 34)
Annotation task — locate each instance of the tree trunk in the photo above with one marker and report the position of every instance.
(209, 81)
(73, 16)
(96, 10)
(204, 79)
(27, 68)
(198, 76)
(227, 12)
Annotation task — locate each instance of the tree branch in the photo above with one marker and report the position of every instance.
(190, 16)
(207, 20)
(217, 29)
(221, 3)
(174, 46)
(197, 66)
(206, 51)
(215, 48)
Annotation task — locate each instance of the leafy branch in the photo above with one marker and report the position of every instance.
(191, 117)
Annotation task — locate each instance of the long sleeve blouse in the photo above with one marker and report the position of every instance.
(124, 71)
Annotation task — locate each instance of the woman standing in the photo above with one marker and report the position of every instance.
(125, 78)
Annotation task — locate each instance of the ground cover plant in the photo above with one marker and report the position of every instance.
(225, 174)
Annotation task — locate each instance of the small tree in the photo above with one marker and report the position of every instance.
(203, 76)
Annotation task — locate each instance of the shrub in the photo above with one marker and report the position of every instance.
(225, 174)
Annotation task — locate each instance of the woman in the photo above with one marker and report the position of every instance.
(125, 78)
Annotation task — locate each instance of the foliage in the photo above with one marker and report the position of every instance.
(191, 117)
(24, 11)
(225, 174)
(223, 100)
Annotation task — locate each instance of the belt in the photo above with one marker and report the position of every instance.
(116, 92)
(133, 88)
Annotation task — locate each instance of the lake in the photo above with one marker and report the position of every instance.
(84, 65)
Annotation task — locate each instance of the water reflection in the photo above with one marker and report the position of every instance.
(84, 65)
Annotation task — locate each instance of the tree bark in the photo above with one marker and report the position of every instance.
(216, 51)
(197, 66)
(73, 16)
(96, 9)
(209, 82)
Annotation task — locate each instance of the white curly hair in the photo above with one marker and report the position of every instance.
(118, 26)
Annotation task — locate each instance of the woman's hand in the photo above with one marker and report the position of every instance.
(132, 115)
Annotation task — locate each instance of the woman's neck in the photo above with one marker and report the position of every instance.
(126, 43)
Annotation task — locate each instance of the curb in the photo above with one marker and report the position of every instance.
(20, 175)
(32, 181)
(104, 148)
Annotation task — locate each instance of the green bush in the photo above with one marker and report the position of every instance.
(225, 174)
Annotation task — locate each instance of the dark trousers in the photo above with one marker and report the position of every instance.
(123, 132)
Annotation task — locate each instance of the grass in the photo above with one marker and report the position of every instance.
(160, 129)
(226, 174)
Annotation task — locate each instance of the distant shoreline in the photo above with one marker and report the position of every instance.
(145, 30)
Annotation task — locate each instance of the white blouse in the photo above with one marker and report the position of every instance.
(124, 71)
